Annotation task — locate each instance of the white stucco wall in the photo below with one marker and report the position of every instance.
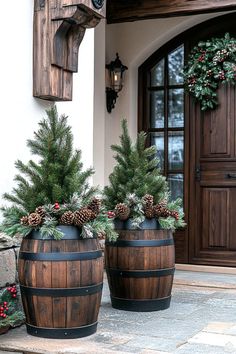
(99, 105)
(135, 42)
(20, 111)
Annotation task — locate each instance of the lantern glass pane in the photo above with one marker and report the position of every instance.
(116, 80)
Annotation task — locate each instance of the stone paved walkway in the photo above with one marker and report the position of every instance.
(200, 320)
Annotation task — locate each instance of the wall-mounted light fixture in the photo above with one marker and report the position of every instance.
(114, 81)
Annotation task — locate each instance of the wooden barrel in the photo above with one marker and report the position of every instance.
(61, 284)
(140, 268)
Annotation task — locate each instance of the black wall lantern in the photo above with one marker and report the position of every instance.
(115, 81)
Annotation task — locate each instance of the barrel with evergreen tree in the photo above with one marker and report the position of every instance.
(61, 217)
(140, 264)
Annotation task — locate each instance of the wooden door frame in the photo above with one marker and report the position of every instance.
(189, 38)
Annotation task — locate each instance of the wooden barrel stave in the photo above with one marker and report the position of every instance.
(61, 316)
(141, 278)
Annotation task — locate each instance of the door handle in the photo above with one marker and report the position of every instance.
(198, 174)
(231, 175)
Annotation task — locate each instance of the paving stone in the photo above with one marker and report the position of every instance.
(8, 267)
(208, 279)
(203, 349)
(111, 338)
(211, 314)
(1, 352)
(148, 351)
(180, 310)
(214, 339)
(189, 295)
(231, 330)
(156, 343)
(126, 349)
(219, 303)
(219, 327)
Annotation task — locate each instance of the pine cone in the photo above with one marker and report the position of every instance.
(41, 211)
(122, 211)
(175, 214)
(67, 218)
(34, 219)
(148, 212)
(93, 215)
(148, 200)
(95, 205)
(165, 212)
(157, 210)
(24, 220)
(81, 216)
(163, 203)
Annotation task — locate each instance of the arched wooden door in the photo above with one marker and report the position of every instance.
(208, 163)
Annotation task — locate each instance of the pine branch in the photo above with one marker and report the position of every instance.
(50, 229)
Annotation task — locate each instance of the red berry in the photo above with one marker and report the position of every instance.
(1, 314)
(6, 308)
(4, 315)
(56, 206)
(1, 308)
(9, 289)
(13, 295)
(5, 303)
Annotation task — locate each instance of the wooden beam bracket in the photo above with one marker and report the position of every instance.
(59, 28)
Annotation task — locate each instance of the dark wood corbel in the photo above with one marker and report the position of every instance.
(59, 27)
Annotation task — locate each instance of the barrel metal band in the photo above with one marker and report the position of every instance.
(69, 233)
(141, 305)
(61, 292)
(60, 256)
(62, 333)
(140, 273)
(141, 243)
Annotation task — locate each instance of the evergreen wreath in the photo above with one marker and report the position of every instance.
(210, 63)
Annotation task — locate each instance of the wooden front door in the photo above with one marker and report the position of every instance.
(213, 176)
(204, 172)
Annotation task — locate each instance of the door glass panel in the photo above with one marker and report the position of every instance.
(158, 140)
(175, 150)
(157, 74)
(157, 109)
(176, 183)
(175, 66)
(176, 108)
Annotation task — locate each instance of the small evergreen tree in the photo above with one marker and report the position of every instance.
(137, 189)
(55, 189)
